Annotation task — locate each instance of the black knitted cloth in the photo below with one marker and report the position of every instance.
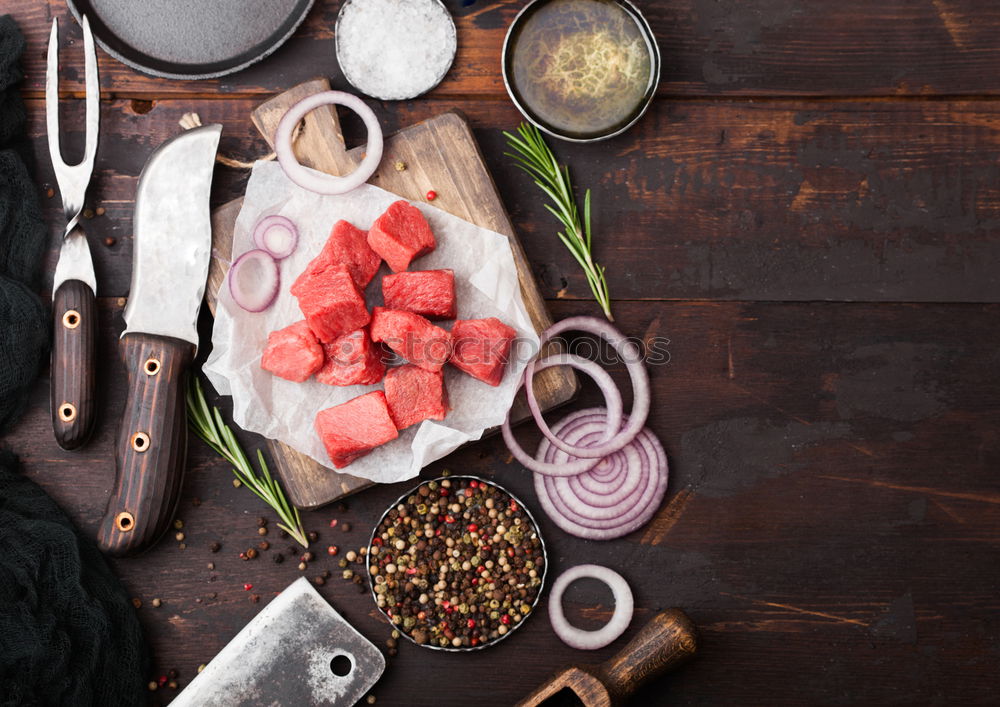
(68, 633)
(24, 325)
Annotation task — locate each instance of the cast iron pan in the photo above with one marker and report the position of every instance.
(191, 39)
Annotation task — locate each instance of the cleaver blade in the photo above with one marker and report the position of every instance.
(286, 656)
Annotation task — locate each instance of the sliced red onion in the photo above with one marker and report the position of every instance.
(619, 495)
(277, 235)
(317, 181)
(612, 397)
(632, 357)
(254, 280)
(591, 640)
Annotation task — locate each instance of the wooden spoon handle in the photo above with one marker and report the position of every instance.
(74, 342)
(667, 640)
(151, 449)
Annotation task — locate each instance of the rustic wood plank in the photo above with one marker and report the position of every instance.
(710, 47)
(441, 149)
(838, 200)
(830, 524)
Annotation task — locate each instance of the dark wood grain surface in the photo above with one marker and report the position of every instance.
(809, 215)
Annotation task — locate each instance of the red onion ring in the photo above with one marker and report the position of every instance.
(632, 357)
(254, 280)
(277, 235)
(591, 640)
(616, 497)
(317, 181)
(612, 397)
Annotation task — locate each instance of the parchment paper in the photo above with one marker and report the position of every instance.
(486, 285)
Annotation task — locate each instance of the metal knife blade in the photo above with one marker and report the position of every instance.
(172, 236)
(297, 651)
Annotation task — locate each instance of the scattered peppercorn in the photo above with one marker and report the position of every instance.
(100, 211)
(137, 602)
(88, 213)
(182, 546)
(215, 547)
(110, 241)
(313, 536)
(263, 545)
(346, 527)
(307, 557)
(50, 192)
(236, 483)
(157, 602)
(172, 684)
(351, 556)
(178, 524)
(261, 522)
(262, 531)
(172, 673)
(152, 686)
(178, 536)
(247, 587)
(432, 195)
(211, 565)
(319, 581)
(251, 553)
(332, 550)
(333, 523)
(370, 699)
(202, 667)
(326, 574)
(456, 564)
(254, 598)
(278, 558)
(303, 566)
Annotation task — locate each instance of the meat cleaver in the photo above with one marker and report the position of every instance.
(170, 253)
(298, 651)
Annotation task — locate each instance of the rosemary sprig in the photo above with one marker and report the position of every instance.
(535, 157)
(207, 424)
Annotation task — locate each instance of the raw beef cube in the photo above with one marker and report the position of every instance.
(352, 359)
(414, 394)
(400, 235)
(330, 302)
(412, 337)
(347, 246)
(292, 353)
(481, 347)
(352, 429)
(429, 293)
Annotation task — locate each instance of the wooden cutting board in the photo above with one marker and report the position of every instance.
(441, 153)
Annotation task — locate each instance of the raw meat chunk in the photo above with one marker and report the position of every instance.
(292, 353)
(481, 347)
(352, 429)
(352, 359)
(412, 337)
(346, 246)
(401, 234)
(330, 302)
(414, 394)
(429, 293)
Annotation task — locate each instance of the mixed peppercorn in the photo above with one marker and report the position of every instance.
(456, 564)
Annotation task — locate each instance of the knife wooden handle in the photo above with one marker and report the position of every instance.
(667, 640)
(151, 449)
(74, 357)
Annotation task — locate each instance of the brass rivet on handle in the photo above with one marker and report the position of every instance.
(140, 442)
(151, 367)
(67, 412)
(71, 319)
(124, 521)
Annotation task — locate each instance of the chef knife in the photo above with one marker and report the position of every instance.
(297, 651)
(171, 250)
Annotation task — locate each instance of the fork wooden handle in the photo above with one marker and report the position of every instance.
(74, 309)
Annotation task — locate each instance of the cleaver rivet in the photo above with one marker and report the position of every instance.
(152, 366)
(140, 442)
(71, 319)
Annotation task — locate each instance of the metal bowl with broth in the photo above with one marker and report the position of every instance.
(581, 70)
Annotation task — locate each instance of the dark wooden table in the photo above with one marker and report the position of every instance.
(810, 213)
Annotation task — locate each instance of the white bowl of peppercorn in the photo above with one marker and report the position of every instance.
(456, 564)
